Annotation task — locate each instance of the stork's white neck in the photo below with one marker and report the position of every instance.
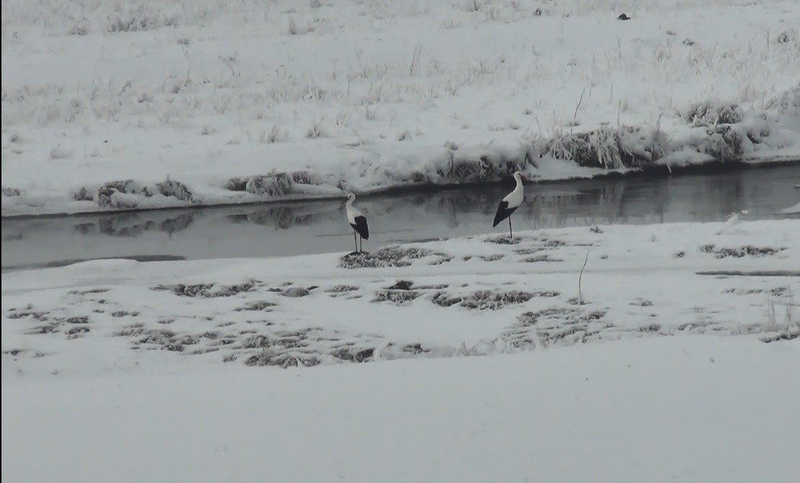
(518, 179)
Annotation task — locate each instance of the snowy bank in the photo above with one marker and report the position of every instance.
(140, 105)
(468, 296)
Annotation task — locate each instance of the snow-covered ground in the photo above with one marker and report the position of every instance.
(689, 409)
(475, 295)
(670, 358)
(139, 104)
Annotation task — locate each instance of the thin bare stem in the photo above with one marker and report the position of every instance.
(580, 277)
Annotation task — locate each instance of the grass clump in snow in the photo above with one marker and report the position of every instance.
(256, 306)
(712, 114)
(399, 297)
(11, 192)
(740, 252)
(488, 299)
(175, 189)
(394, 256)
(557, 325)
(542, 259)
(337, 290)
(271, 185)
(481, 170)
(354, 354)
(607, 148)
(207, 290)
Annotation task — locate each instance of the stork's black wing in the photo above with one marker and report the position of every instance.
(503, 212)
(360, 226)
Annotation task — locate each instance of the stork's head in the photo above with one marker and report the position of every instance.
(349, 199)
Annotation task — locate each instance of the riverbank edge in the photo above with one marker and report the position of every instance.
(652, 171)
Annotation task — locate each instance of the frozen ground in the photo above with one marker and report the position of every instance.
(670, 363)
(110, 104)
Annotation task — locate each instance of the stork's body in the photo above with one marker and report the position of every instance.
(510, 204)
(358, 221)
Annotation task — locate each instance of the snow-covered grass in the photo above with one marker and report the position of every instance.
(363, 96)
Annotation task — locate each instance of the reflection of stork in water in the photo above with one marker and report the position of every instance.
(510, 204)
(358, 221)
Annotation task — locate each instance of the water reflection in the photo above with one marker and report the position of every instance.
(315, 227)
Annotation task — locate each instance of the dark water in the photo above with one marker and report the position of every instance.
(320, 226)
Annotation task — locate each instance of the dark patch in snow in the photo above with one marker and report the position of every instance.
(159, 337)
(76, 332)
(394, 256)
(354, 354)
(401, 285)
(83, 319)
(10, 192)
(133, 330)
(236, 184)
(255, 306)
(124, 313)
(88, 291)
(739, 252)
(340, 289)
(504, 240)
(207, 290)
(541, 258)
(45, 329)
(488, 299)
(268, 358)
(442, 299)
(175, 189)
(399, 297)
(108, 197)
(787, 334)
(40, 316)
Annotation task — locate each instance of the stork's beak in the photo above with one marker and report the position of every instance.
(344, 202)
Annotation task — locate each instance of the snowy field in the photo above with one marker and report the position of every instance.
(669, 362)
(690, 409)
(110, 104)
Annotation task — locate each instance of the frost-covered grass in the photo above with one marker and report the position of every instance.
(368, 95)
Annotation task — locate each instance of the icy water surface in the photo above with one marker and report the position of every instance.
(280, 229)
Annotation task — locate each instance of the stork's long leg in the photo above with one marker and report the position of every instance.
(510, 231)
(355, 242)
(361, 243)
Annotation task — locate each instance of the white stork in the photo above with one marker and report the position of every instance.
(358, 221)
(510, 204)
